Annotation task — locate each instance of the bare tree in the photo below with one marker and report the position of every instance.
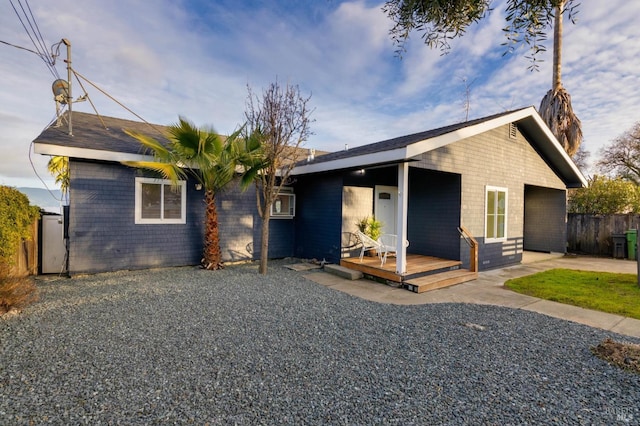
(621, 158)
(280, 120)
(581, 159)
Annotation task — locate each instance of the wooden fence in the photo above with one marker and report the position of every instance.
(593, 234)
(26, 260)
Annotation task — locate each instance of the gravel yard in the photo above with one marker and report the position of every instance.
(188, 346)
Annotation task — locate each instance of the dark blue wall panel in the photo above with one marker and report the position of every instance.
(434, 213)
(103, 235)
(318, 222)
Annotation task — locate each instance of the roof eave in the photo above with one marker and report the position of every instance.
(87, 154)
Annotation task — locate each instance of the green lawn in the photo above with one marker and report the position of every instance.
(602, 291)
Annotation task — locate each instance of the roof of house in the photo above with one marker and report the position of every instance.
(97, 138)
(407, 148)
(103, 138)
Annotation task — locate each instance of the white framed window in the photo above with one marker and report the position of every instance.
(284, 205)
(160, 202)
(495, 214)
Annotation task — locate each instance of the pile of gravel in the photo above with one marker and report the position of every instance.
(184, 345)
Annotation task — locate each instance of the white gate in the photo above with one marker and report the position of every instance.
(52, 245)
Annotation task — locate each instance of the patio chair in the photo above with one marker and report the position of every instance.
(389, 243)
(369, 243)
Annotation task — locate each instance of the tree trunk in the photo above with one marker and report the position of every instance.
(264, 243)
(212, 257)
(557, 48)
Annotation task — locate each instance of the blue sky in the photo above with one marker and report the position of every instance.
(165, 58)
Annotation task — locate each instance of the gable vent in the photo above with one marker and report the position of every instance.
(513, 130)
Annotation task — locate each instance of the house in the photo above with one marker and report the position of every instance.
(504, 178)
(109, 227)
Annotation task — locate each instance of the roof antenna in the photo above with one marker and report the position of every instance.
(62, 90)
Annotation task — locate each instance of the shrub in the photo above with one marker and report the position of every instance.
(605, 196)
(15, 292)
(16, 218)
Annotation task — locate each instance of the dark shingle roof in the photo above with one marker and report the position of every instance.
(89, 132)
(402, 141)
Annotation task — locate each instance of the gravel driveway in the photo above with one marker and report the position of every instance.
(184, 345)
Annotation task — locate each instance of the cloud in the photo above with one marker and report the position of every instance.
(195, 58)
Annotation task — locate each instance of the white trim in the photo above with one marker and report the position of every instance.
(496, 189)
(139, 220)
(401, 225)
(357, 161)
(91, 154)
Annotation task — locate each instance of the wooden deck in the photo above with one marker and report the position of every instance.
(423, 272)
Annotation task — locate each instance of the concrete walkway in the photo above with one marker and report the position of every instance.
(489, 289)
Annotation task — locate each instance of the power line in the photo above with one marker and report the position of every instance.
(38, 42)
(20, 47)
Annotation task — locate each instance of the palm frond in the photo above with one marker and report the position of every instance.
(168, 171)
(159, 150)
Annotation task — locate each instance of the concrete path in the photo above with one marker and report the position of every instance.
(489, 289)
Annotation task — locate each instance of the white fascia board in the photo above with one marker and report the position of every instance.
(353, 162)
(89, 154)
(560, 150)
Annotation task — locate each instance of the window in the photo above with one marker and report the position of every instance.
(160, 202)
(496, 214)
(284, 206)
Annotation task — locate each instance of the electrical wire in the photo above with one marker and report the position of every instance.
(20, 47)
(78, 75)
(38, 43)
(89, 99)
(34, 167)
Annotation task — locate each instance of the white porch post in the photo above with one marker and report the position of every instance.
(403, 196)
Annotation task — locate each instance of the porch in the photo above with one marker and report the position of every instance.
(423, 273)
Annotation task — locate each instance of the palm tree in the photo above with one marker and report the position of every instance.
(211, 160)
(555, 107)
(59, 168)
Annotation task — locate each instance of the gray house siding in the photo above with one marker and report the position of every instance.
(102, 233)
(433, 213)
(318, 219)
(545, 224)
(495, 159)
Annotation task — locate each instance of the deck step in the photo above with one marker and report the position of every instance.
(443, 279)
(343, 272)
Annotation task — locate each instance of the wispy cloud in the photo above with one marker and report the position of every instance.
(195, 58)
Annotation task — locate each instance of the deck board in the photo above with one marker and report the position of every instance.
(424, 273)
(416, 264)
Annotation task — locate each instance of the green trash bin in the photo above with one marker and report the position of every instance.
(632, 238)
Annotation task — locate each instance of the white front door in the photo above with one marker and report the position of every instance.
(386, 207)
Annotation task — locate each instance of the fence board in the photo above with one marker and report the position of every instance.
(26, 259)
(592, 234)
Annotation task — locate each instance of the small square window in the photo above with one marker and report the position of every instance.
(160, 202)
(284, 205)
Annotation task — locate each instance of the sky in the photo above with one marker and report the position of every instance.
(196, 58)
